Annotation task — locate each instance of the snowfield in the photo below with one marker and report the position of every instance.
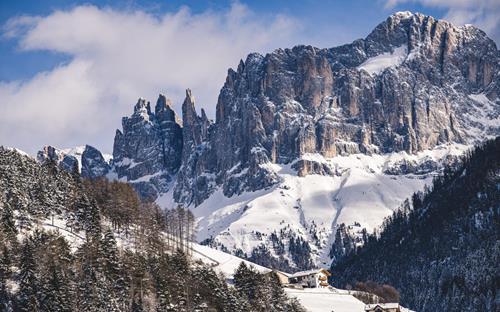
(377, 64)
(326, 300)
(223, 262)
(220, 261)
(360, 192)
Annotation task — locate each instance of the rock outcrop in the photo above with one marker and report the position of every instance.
(87, 160)
(93, 164)
(395, 99)
(148, 152)
(63, 160)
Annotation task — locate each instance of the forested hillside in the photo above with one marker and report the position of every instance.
(68, 244)
(441, 249)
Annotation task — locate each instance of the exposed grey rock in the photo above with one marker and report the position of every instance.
(63, 160)
(87, 160)
(149, 150)
(443, 87)
(93, 163)
(291, 102)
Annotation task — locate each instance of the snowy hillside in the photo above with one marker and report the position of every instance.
(221, 261)
(321, 300)
(360, 192)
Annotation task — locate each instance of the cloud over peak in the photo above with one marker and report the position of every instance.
(117, 56)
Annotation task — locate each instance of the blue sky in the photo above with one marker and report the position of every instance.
(338, 22)
(69, 70)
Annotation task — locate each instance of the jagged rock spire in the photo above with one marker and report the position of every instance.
(194, 127)
(93, 163)
(149, 145)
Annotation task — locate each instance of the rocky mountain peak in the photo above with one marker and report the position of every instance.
(88, 160)
(188, 107)
(148, 151)
(164, 111)
(413, 83)
(64, 160)
(372, 118)
(93, 164)
(406, 87)
(195, 127)
(142, 107)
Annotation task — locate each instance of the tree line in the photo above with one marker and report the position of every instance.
(441, 249)
(68, 244)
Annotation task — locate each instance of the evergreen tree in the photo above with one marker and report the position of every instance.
(444, 251)
(5, 275)
(246, 281)
(56, 287)
(8, 225)
(28, 281)
(56, 292)
(110, 255)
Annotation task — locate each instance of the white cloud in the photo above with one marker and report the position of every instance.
(484, 14)
(117, 56)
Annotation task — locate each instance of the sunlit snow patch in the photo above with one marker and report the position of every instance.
(377, 64)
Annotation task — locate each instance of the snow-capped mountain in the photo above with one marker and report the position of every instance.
(88, 160)
(306, 139)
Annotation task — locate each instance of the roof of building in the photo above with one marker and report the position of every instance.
(310, 272)
(382, 305)
(282, 273)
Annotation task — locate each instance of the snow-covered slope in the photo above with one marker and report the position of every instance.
(223, 262)
(325, 300)
(363, 191)
(220, 261)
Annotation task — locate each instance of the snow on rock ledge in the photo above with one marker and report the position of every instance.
(377, 64)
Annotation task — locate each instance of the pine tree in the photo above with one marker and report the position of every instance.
(56, 285)
(28, 281)
(110, 255)
(8, 225)
(246, 281)
(278, 297)
(56, 292)
(5, 274)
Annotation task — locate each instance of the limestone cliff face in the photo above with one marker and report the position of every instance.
(344, 100)
(412, 84)
(93, 163)
(64, 160)
(147, 153)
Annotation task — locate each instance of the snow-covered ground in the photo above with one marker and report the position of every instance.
(329, 300)
(221, 261)
(360, 192)
(326, 300)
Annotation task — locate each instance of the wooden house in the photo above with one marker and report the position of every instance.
(383, 307)
(317, 278)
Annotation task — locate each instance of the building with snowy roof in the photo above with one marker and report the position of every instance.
(317, 278)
